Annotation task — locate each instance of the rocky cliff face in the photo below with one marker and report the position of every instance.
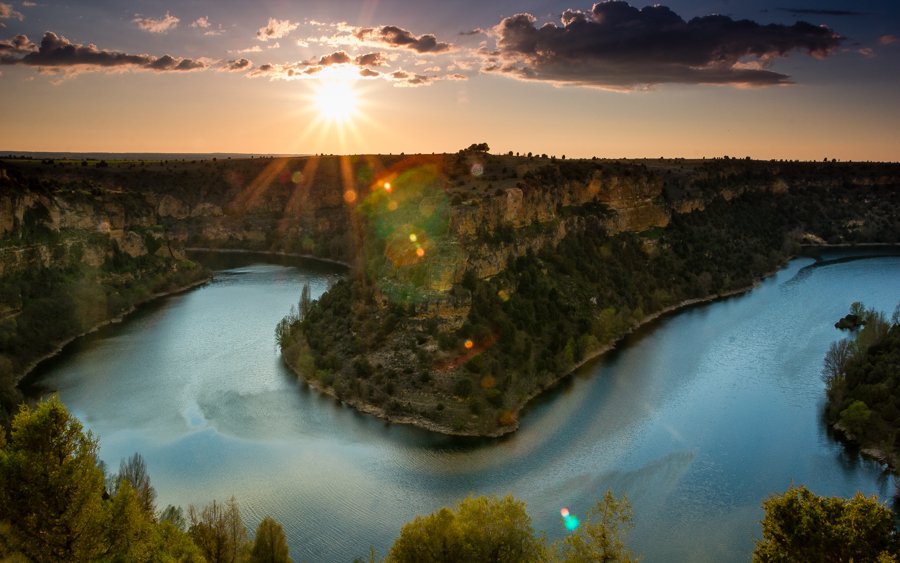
(41, 230)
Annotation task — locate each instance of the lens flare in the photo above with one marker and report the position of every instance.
(569, 520)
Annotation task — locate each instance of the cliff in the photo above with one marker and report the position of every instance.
(478, 280)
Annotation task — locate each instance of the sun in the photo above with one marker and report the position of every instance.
(335, 96)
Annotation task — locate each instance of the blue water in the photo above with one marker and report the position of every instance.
(697, 418)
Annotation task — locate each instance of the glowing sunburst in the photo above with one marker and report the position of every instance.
(335, 97)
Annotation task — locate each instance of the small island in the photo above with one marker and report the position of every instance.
(862, 375)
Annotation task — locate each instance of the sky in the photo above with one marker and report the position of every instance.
(794, 79)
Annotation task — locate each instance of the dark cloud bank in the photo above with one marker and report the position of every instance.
(57, 52)
(617, 46)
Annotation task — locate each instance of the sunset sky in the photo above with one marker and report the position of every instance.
(795, 79)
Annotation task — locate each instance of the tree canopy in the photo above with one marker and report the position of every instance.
(801, 526)
(54, 504)
(492, 529)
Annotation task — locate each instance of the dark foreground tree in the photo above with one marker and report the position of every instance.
(270, 545)
(801, 526)
(51, 504)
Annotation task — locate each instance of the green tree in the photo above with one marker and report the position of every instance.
(801, 526)
(600, 535)
(134, 472)
(478, 529)
(855, 418)
(131, 533)
(218, 531)
(51, 488)
(270, 545)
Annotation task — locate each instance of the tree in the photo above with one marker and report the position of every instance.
(599, 537)
(134, 472)
(478, 529)
(131, 532)
(218, 531)
(839, 353)
(51, 488)
(855, 418)
(801, 526)
(305, 301)
(270, 545)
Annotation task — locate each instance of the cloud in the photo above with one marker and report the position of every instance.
(276, 29)
(161, 25)
(476, 31)
(17, 45)
(616, 46)
(403, 78)
(369, 73)
(203, 23)
(817, 12)
(370, 59)
(393, 36)
(253, 49)
(237, 65)
(289, 71)
(58, 54)
(338, 58)
(28, 4)
(888, 39)
(7, 13)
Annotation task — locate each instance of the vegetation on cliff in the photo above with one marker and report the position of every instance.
(862, 374)
(69, 262)
(466, 360)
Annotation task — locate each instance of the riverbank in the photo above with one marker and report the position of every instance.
(58, 348)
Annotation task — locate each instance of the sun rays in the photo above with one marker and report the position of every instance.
(337, 105)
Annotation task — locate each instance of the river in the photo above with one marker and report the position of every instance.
(697, 418)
